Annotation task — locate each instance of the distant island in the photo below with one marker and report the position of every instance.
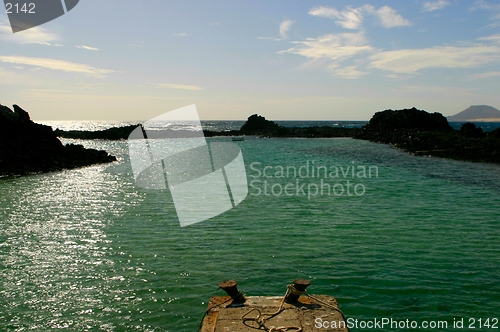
(477, 113)
(27, 147)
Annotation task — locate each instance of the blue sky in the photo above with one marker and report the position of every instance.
(325, 60)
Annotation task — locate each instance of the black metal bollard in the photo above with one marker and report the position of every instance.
(298, 288)
(231, 288)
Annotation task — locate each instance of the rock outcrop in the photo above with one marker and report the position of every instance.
(257, 124)
(423, 133)
(260, 126)
(389, 125)
(415, 131)
(27, 147)
(115, 133)
(470, 130)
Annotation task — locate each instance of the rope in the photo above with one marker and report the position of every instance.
(331, 306)
(240, 293)
(261, 318)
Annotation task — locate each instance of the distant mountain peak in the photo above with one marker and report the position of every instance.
(477, 113)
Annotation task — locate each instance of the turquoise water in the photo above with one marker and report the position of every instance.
(87, 250)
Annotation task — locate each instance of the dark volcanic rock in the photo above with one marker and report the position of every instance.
(398, 127)
(470, 130)
(495, 133)
(423, 133)
(408, 119)
(115, 133)
(27, 147)
(255, 125)
(412, 130)
(259, 124)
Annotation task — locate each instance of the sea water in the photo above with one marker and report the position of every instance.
(416, 239)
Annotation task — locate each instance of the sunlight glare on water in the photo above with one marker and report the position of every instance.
(54, 248)
(86, 249)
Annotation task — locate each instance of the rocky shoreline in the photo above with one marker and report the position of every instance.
(257, 125)
(115, 133)
(412, 130)
(27, 147)
(422, 133)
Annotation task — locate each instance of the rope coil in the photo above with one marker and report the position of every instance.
(261, 317)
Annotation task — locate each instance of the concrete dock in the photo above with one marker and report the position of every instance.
(253, 313)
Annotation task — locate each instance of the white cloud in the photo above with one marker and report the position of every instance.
(325, 11)
(333, 49)
(36, 35)
(352, 18)
(56, 65)
(338, 52)
(181, 34)
(389, 17)
(410, 61)
(136, 45)
(284, 27)
(436, 5)
(88, 48)
(350, 72)
(398, 77)
(495, 39)
(180, 86)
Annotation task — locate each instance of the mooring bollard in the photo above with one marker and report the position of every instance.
(231, 288)
(298, 288)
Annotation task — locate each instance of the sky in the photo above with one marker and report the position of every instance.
(283, 59)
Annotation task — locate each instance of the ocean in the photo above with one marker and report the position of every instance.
(389, 234)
